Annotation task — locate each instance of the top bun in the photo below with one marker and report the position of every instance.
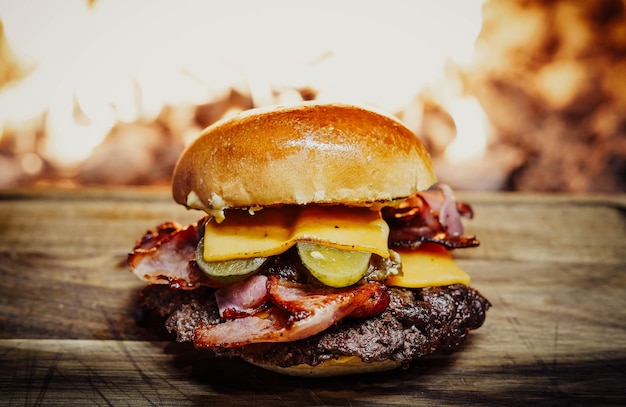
(308, 153)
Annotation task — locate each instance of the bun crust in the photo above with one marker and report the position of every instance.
(342, 366)
(308, 153)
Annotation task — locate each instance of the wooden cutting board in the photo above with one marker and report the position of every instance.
(554, 268)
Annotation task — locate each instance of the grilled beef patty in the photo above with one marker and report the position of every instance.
(416, 323)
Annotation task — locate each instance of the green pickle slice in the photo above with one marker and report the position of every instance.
(228, 271)
(334, 267)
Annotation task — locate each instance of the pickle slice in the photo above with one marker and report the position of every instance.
(229, 271)
(333, 267)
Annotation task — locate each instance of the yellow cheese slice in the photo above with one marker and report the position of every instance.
(272, 231)
(429, 266)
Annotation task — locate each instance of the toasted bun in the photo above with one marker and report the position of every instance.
(308, 153)
(342, 366)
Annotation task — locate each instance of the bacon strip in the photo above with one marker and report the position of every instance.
(299, 312)
(429, 216)
(243, 298)
(163, 256)
(298, 299)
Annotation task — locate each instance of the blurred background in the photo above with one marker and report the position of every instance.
(515, 95)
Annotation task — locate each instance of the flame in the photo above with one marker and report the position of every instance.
(471, 130)
(101, 63)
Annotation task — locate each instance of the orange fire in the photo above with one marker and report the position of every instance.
(96, 65)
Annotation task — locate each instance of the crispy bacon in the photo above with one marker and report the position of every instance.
(297, 298)
(165, 256)
(243, 298)
(299, 311)
(429, 216)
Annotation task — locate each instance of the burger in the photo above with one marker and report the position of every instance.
(324, 248)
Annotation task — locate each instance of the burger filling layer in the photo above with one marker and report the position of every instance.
(324, 265)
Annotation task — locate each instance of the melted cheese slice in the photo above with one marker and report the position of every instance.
(272, 231)
(429, 266)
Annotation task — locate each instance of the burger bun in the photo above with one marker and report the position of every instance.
(302, 154)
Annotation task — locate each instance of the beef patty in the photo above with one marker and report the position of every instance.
(416, 323)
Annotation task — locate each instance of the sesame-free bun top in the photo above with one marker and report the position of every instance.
(302, 154)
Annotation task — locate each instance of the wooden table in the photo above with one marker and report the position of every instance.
(554, 268)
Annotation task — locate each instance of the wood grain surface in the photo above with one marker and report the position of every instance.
(554, 268)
